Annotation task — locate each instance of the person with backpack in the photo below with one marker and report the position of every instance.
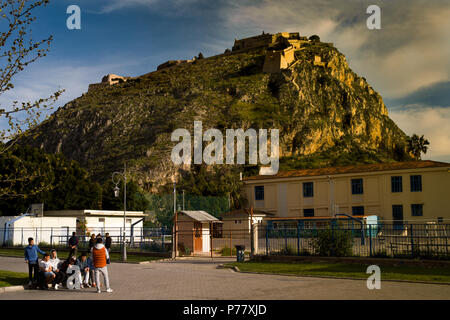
(31, 257)
(100, 258)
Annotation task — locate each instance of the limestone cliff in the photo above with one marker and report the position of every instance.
(318, 103)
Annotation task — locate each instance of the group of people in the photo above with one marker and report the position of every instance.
(51, 270)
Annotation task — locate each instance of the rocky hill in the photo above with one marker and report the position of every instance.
(318, 104)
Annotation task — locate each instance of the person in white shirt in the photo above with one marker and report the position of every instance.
(46, 267)
(55, 263)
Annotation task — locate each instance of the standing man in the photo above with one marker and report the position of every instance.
(100, 258)
(108, 242)
(73, 245)
(31, 257)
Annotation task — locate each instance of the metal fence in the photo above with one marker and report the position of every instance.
(380, 240)
(141, 239)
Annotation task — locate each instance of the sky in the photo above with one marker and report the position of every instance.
(407, 61)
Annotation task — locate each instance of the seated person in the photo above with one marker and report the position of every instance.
(46, 268)
(83, 264)
(55, 263)
(72, 268)
(63, 269)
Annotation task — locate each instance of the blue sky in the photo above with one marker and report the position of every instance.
(407, 61)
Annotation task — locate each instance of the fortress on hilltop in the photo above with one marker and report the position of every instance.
(280, 54)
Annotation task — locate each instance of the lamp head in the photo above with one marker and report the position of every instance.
(116, 191)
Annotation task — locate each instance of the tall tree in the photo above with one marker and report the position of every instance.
(418, 145)
(17, 51)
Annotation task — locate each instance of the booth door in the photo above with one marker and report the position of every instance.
(197, 237)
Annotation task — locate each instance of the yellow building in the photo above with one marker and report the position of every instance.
(416, 191)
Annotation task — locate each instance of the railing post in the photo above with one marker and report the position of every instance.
(162, 235)
(231, 244)
(370, 239)
(51, 237)
(298, 239)
(285, 239)
(267, 239)
(412, 239)
(21, 241)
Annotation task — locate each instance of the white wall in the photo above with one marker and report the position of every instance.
(40, 228)
(55, 229)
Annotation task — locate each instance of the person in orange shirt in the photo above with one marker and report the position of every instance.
(100, 258)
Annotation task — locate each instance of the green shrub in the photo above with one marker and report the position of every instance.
(225, 251)
(288, 251)
(333, 243)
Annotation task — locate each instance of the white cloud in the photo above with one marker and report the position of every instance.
(159, 5)
(432, 122)
(411, 50)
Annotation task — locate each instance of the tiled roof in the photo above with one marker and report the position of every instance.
(422, 164)
(246, 211)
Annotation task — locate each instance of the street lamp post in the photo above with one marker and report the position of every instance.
(116, 179)
(174, 229)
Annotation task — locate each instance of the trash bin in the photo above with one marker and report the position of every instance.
(240, 253)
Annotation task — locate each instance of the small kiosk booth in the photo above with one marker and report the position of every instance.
(193, 232)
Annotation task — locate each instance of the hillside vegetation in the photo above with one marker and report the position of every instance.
(327, 115)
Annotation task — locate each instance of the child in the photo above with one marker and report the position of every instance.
(100, 257)
(31, 257)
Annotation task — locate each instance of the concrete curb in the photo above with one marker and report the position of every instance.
(154, 261)
(11, 289)
(236, 269)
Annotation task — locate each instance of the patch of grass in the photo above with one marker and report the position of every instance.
(114, 256)
(9, 278)
(357, 271)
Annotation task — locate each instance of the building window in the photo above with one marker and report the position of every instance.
(357, 186)
(101, 219)
(308, 189)
(259, 193)
(416, 183)
(417, 210)
(358, 211)
(396, 184)
(128, 221)
(308, 212)
(397, 216)
(440, 219)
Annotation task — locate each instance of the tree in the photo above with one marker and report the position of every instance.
(417, 145)
(136, 200)
(314, 37)
(58, 183)
(17, 51)
(200, 56)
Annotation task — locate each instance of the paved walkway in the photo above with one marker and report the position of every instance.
(199, 279)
